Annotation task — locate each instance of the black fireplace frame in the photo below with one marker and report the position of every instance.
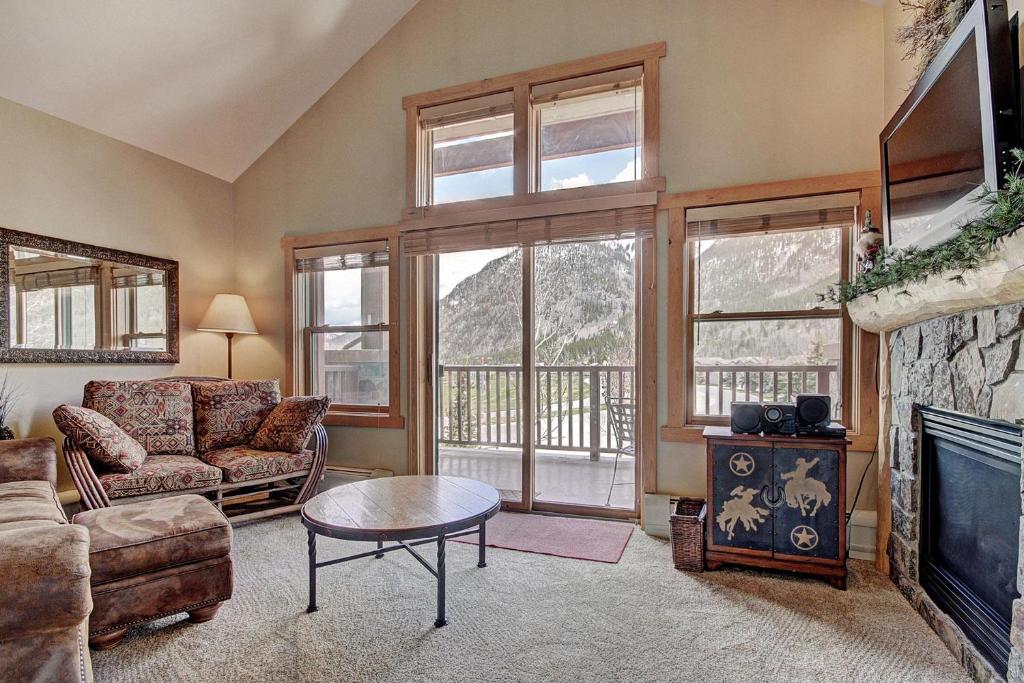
(992, 442)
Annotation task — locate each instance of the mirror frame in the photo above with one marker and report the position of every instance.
(17, 238)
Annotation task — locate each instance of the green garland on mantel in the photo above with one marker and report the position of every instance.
(965, 252)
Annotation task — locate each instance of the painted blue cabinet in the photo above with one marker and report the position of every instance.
(777, 502)
(807, 517)
(742, 474)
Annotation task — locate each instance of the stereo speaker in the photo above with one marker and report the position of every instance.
(746, 417)
(779, 418)
(813, 413)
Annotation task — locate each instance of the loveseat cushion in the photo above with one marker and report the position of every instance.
(157, 414)
(103, 441)
(161, 474)
(242, 463)
(137, 538)
(229, 413)
(290, 423)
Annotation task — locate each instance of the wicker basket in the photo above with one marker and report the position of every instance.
(687, 532)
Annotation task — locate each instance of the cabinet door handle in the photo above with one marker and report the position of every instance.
(773, 503)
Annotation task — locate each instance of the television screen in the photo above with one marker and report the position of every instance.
(936, 160)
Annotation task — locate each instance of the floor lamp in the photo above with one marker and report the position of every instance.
(228, 314)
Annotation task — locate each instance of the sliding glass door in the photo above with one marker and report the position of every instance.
(535, 382)
(584, 350)
(479, 372)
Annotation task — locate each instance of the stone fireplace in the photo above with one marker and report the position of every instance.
(968, 362)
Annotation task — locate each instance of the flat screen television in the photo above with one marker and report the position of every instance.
(953, 134)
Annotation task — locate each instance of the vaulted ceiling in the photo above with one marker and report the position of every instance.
(208, 83)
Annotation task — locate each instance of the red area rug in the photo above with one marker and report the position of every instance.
(580, 539)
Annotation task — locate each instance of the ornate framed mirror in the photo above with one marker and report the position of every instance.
(69, 302)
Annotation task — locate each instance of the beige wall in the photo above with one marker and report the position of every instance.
(61, 180)
(751, 91)
(899, 72)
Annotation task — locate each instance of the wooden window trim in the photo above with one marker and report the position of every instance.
(545, 74)
(344, 415)
(520, 84)
(860, 348)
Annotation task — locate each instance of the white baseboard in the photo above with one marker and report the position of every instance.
(360, 472)
(862, 525)
(657, 509)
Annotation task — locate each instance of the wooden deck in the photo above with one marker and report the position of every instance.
(561, 477)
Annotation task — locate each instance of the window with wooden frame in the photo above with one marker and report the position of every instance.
(745, 267)
(572, 131)
(344, 337)
(757, 331)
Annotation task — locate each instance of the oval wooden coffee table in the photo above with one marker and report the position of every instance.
(409, 511)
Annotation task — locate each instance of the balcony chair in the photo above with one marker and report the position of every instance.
(621, 415)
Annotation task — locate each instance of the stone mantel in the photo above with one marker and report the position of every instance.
(1000, 280)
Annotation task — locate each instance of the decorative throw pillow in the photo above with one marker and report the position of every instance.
(102, 440)
(288, 427)
(157, 414)
(229, 413)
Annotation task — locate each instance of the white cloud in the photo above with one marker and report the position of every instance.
(455, 267)
(628, 173)
(580, 180)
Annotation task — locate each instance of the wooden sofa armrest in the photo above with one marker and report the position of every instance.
(316, 470)
(28, 460)
(82, 473)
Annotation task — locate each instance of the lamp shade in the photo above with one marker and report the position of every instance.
(228, 313)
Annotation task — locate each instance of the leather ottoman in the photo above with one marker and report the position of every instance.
(153, 559)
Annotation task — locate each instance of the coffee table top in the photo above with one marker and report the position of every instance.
(398, 508)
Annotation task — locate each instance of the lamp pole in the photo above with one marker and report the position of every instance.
(230, 336)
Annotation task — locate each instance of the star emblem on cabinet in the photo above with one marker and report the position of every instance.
(741, 464)
(804, 537)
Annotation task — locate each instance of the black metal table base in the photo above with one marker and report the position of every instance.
(438, 571)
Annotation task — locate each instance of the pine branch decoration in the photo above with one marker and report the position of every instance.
(935, 20)
(974, 241)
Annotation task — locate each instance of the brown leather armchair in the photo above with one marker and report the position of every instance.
(44, 563)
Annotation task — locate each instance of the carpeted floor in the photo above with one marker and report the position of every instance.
(529, 617)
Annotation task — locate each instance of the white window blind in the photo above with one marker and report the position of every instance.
(341, 257)
(50, 279)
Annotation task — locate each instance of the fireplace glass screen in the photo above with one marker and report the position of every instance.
(971, 506)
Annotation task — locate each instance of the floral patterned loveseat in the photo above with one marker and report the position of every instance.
(239, 443)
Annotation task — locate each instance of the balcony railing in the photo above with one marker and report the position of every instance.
(482, 405)
(717, 386)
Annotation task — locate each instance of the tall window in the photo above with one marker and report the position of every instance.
(757, 329)
(470, 149)
(589, 130)
(584, 123)
(345, 299)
